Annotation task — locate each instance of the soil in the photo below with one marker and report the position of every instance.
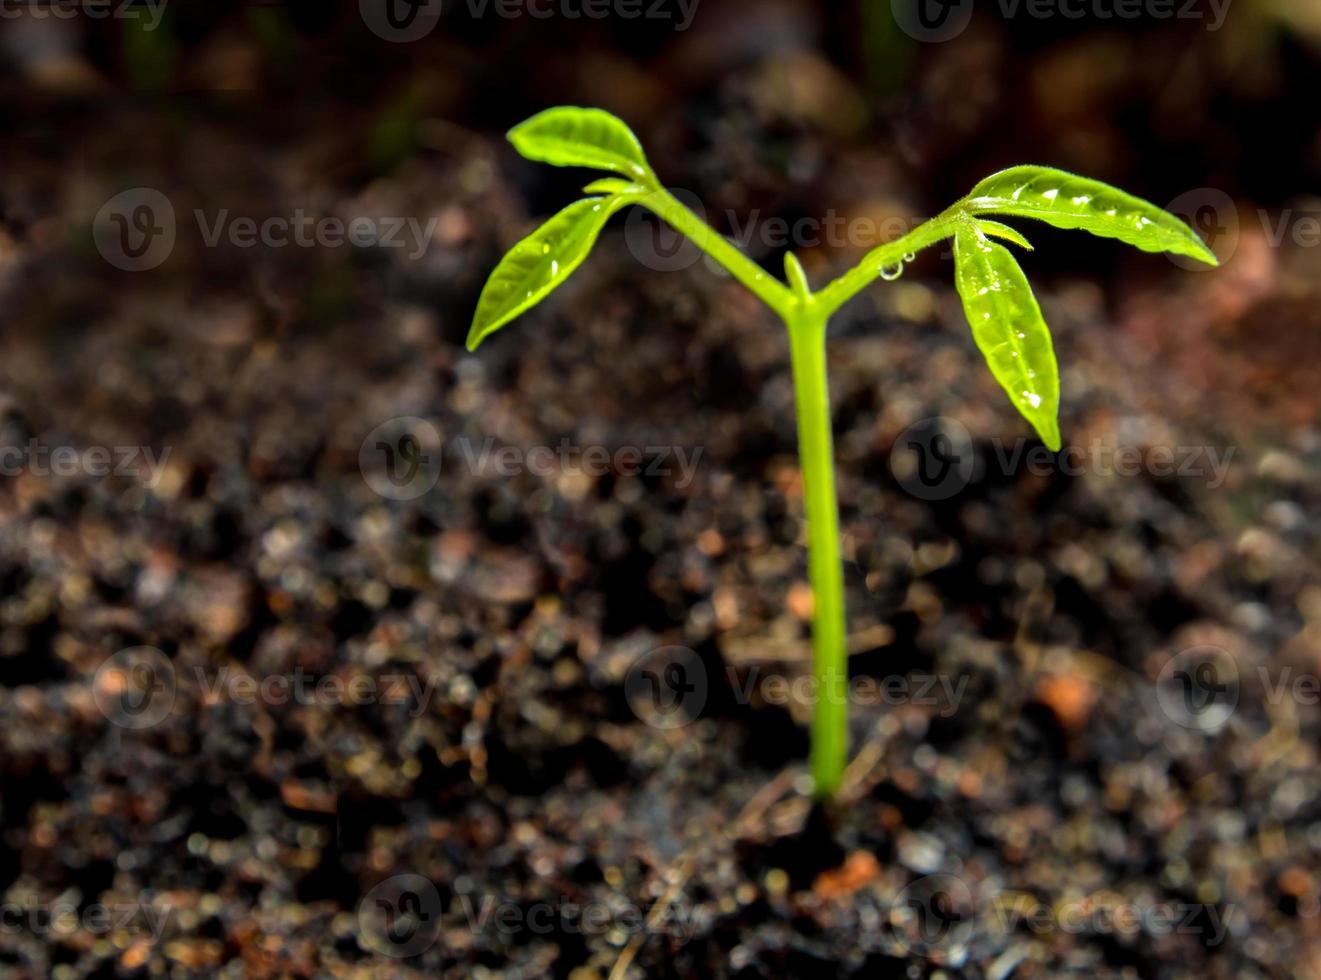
(1023, 800)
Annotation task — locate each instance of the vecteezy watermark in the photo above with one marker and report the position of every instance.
(591, 460)
(668, 688)
(403, 21)
(1111, 915)
(934, 21)
(935, 459)
(65, 918)
(932, 915)
(400, 21)
(136, 230)
(96, 461)
(1199, 688)
(497, 918)
(660, 248)
(137, 688)
(149, 12)
(405, 916)
(941, 692)
(1219, 221)
(401, 458)
(299, 687)
(937, 914)
(401, 916)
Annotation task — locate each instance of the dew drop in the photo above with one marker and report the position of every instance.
(892, 272)
(909, 256)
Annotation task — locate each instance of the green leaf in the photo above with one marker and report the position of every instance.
(567, 136)
(1008, 328)
(793, 272)
(990, 227)
(614, 185)
(536, 265)
(1066, 200)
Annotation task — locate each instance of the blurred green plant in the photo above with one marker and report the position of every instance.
(1006, 321)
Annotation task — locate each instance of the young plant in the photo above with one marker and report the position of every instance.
(1006, 321)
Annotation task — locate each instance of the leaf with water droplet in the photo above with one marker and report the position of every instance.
(568, 136)
(1066, 200)
(1008, 328)
(891, 272)
(537, 264)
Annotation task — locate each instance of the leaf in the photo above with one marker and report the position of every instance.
(567, 136)
(1008, 328)
(793, 272)
(614, 185)
(537, 264)
(990, 227)
(1066, 200)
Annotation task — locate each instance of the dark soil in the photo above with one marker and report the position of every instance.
(550, 828)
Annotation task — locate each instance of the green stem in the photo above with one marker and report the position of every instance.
(806, 315)
(766, 287)
(807, 341)
(843, 289)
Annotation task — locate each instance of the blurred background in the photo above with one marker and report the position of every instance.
(329, 649)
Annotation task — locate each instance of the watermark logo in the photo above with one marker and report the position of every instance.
(547, 462)
(1107, 914)
(142, 463)
(401, 916)
(400, 21)
(65, 919)
(148, 12)
(498, 918)
(401, 458)
(932, 21)
(135, 230)
(655, 244)
(667, 687)
(1199, 688)
(135, 688)
(935, 21)
(933, 915)
(1212, 214)
(933, 459)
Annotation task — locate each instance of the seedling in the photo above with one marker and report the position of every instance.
(1006, 321)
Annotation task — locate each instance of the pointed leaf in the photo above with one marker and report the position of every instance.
(613, 185)
(1066, 200)
(990, 227)
(536, 265)
(1008, 328)
(793, 272)
(567, 136)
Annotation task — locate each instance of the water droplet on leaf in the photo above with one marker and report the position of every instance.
(891, 272)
